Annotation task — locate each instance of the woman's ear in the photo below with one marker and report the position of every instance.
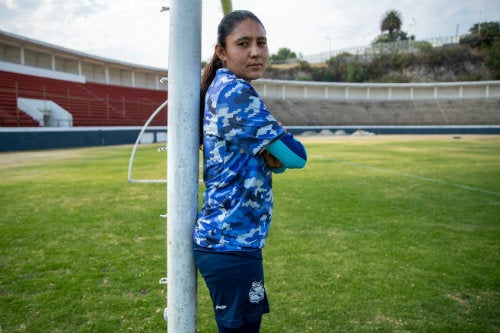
(219, 52)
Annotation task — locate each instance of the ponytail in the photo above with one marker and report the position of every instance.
(206, 80)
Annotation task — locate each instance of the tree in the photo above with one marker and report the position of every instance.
(482, 35)
(227, 6)
(283, 55)
(391, 22)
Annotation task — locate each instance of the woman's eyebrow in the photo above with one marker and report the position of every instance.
(250, 37)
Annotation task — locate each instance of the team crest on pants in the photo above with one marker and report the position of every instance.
(257, 292)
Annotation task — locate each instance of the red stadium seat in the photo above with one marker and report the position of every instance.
(90, 104)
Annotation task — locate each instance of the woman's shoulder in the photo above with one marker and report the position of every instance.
(227, 81)
(230, 90)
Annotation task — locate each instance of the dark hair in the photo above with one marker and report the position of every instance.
(225, 28)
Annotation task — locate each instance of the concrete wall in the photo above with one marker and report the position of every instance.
(376, 91)
(33, 138)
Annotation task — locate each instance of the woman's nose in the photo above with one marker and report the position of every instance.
(254, 50)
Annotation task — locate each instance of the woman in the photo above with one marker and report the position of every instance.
(242, 145)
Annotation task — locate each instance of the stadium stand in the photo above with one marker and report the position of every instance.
(101, 92)
(317, 112)
(91, 104)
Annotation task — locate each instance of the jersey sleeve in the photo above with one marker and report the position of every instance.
(289, 151)
(244, 120)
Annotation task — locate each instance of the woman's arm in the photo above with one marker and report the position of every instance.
(288, 151)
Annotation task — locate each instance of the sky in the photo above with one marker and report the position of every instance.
(136, 31)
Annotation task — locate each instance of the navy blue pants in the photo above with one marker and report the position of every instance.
(235, 281)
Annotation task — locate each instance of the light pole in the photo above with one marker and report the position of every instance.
(329, 47)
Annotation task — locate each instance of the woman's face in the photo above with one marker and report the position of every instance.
(246, 52)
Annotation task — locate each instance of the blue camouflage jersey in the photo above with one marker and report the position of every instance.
(238, 200)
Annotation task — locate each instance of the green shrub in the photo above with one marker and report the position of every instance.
(355, 73)
(493, 59)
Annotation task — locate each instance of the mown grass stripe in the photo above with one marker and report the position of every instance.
(404, 174)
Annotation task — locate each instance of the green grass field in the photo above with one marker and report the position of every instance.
(385, 234)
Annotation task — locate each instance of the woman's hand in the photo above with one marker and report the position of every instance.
(271, 161)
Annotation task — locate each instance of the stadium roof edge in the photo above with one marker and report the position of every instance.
(41, 72)
(26, 40)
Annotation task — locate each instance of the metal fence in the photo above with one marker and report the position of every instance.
(380, 48)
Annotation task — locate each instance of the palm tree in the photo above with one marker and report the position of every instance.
(391, 22)
(227, 6)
